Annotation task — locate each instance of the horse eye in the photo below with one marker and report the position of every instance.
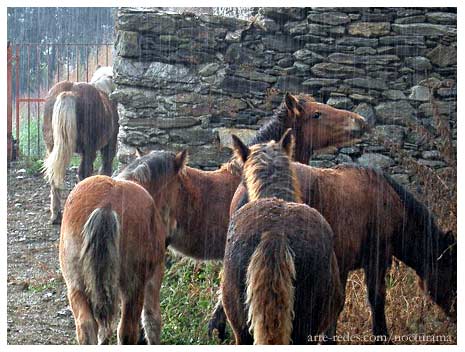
(316, 115)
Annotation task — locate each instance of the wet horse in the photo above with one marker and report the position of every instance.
(112, 247)
(373, 219)
(202, 210)
(281, 281)
(78, 117)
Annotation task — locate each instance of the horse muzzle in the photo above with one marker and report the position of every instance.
(357, 125)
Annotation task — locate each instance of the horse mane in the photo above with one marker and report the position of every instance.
(268, 172)
(425, 251)
(275, 126)
(149, 167)
(233, 166)
(273, 129)
(416, 209)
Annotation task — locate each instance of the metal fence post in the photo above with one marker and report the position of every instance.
(9, 101)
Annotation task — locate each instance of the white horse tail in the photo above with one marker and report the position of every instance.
(64, 128)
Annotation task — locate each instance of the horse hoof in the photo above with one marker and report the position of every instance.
(217, 329)
(142, 340)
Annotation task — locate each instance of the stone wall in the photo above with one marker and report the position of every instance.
(186, 80)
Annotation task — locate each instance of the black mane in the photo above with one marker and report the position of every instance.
(154, 165)
(273, 129)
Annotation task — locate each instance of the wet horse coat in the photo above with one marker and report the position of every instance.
(78, 118)
(281, 280)
(374, 218)
(112, 246)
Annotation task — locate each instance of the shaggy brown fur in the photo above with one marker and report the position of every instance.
(383, 220)
(267, 170)
(77, 118)
(274, 244)
(271, 268)
(112, 249)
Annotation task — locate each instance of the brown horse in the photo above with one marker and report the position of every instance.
(373, 219)
(112, 249)
(281, 280)
(79, 118)
(202, 211)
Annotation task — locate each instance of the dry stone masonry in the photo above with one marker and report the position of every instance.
(189, 81)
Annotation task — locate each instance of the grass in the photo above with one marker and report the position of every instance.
(42, 287)
(188, 295)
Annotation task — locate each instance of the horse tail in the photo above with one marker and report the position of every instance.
(270, 290)
(99, 260)
(64, 127)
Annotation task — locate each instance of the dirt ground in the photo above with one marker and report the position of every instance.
(38, 311)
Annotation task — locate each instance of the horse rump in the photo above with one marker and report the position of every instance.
(99, 261)
(270, 290)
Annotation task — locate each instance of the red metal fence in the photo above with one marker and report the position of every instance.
(32, 70)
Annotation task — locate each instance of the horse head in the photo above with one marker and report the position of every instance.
(267, 169)
(103, 79)
(158, 172)
(441, 281)
(318, 125)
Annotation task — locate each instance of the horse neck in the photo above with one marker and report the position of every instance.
(198, 187)
(420, 241)
(272, 130)
(427, 250)
(302, 153)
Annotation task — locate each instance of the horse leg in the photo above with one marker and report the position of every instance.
(128, 329)
(376, 285)
(331, 332)
(55, 205)
(151, 315)
(218, 320)
(108, 153)
(86, 326)
(243, 337)
(86, 167)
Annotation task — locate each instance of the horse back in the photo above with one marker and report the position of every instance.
(139, 220)
(97, 118)
(359, 204)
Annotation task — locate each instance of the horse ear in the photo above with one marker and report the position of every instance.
(287, 142)
(180, 160)
(292, 104)
(139, 152)
(240, 149)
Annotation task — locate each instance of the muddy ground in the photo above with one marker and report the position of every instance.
(38, 311)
